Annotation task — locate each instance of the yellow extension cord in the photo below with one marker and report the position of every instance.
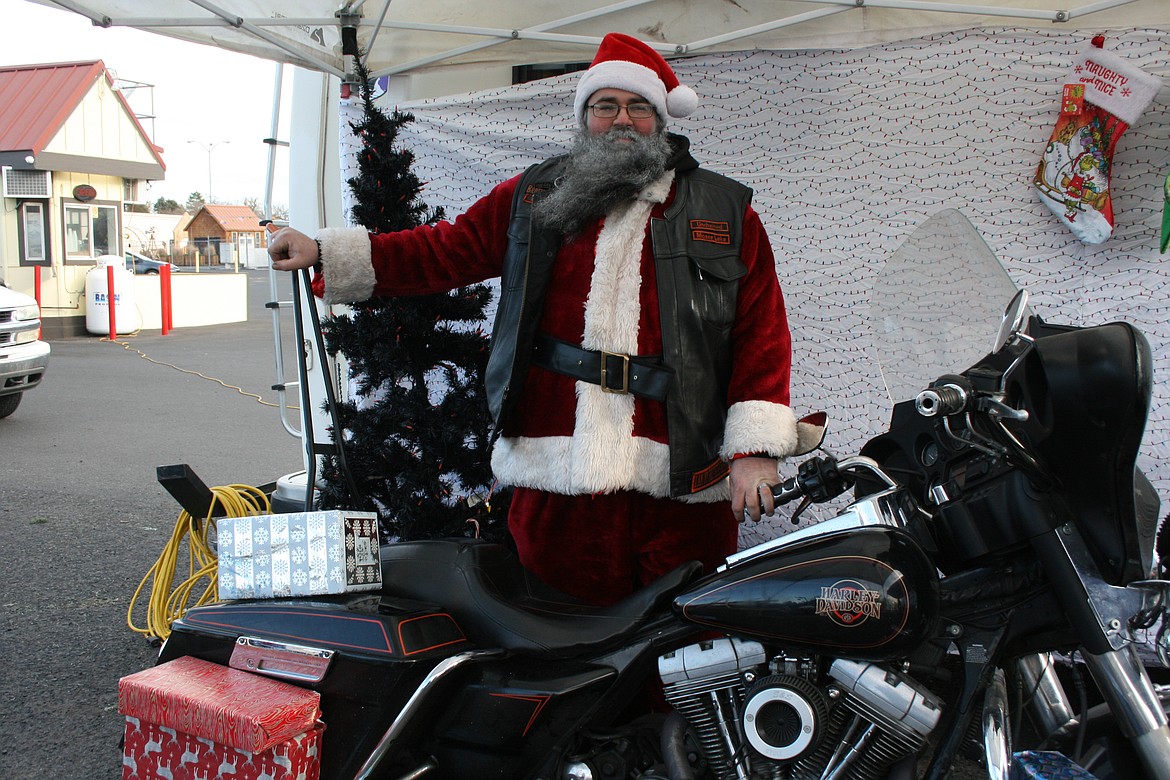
(170, 601)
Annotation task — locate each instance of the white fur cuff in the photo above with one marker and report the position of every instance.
(759, 427)
(346, 260)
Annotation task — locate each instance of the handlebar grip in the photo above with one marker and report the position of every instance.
(942, 400)
(786, 491)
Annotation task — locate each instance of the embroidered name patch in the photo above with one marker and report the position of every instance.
(711, 232)
(533, 190)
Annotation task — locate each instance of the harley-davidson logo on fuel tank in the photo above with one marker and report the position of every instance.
(848, 603)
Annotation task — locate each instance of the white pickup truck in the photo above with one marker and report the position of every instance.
(23, 357)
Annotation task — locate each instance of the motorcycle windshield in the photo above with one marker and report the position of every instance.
(937, 305)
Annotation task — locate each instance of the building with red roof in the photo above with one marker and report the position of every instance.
(72, 155)
(226, 234)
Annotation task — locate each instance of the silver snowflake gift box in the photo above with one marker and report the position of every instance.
(297, 554)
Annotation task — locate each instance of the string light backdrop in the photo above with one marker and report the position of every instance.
(848, 151)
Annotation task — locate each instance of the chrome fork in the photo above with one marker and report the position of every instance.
(1049, 703)
(1106, 616)
(1134, 704)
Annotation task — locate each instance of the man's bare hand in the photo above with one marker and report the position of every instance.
(751, 486)
(291, 250)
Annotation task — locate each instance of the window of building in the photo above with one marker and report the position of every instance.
(133, 192)
(91, 230)
(34, 227)
(522, 74)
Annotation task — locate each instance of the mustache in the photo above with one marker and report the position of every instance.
(621, 132)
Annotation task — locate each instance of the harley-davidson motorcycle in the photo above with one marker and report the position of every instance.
(987, 585)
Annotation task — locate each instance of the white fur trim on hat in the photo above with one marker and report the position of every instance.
(623, 62)
(620, 75)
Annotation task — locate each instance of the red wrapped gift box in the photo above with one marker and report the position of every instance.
(154, 752)
(187, 714)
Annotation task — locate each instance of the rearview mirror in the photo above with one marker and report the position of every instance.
(1013, 320)
(810, 432)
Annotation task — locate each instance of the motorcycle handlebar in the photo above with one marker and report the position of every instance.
(941, 400)
(817, 479)
(822, 479)
(950, 397)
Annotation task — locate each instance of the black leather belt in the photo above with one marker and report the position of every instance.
(642, 375)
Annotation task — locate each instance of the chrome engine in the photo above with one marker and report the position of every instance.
(760, 717)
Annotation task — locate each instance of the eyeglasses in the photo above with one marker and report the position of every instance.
(611, 110)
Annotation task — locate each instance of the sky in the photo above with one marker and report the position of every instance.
(202, 97)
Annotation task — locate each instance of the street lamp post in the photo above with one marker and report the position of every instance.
(209, 148)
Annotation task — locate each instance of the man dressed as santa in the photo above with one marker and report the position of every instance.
(639, 373)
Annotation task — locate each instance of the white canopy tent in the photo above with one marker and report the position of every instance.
(410, 36)
(852, 120)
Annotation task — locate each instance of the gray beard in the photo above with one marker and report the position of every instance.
(602, 173)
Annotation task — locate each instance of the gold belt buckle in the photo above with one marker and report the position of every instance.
(605, 388)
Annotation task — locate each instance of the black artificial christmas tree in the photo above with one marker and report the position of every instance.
(417, 438)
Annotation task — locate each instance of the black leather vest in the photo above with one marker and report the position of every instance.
(696, 254)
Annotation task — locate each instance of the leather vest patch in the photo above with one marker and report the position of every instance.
(532, 191)
(710, 231)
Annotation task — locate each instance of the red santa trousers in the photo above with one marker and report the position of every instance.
(601, 548)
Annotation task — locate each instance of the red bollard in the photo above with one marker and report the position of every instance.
(37, 289)
(110, 301)
(165, 298)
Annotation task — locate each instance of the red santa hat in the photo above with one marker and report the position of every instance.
(627, 63)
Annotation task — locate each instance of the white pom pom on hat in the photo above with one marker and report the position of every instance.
(624, 62)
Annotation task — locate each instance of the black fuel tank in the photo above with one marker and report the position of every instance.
(867, 593)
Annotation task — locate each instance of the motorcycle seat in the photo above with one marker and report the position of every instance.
(498, 603)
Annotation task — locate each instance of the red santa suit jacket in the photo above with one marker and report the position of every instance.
(568, 436)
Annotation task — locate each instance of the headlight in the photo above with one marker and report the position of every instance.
(30, 312)
(25, 337)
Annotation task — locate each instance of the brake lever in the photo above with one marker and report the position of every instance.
(796, 513)
(998, 409)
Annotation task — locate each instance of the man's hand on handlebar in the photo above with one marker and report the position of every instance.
(751, 486)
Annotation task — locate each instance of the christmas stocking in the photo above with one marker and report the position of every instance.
(1103, 96)
(1166, 214)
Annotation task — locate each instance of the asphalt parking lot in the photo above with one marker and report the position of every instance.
(83, 517)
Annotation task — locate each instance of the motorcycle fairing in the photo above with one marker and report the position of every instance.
(1091, 395)
(1087, 392)
(499, 604)
(870, 593)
